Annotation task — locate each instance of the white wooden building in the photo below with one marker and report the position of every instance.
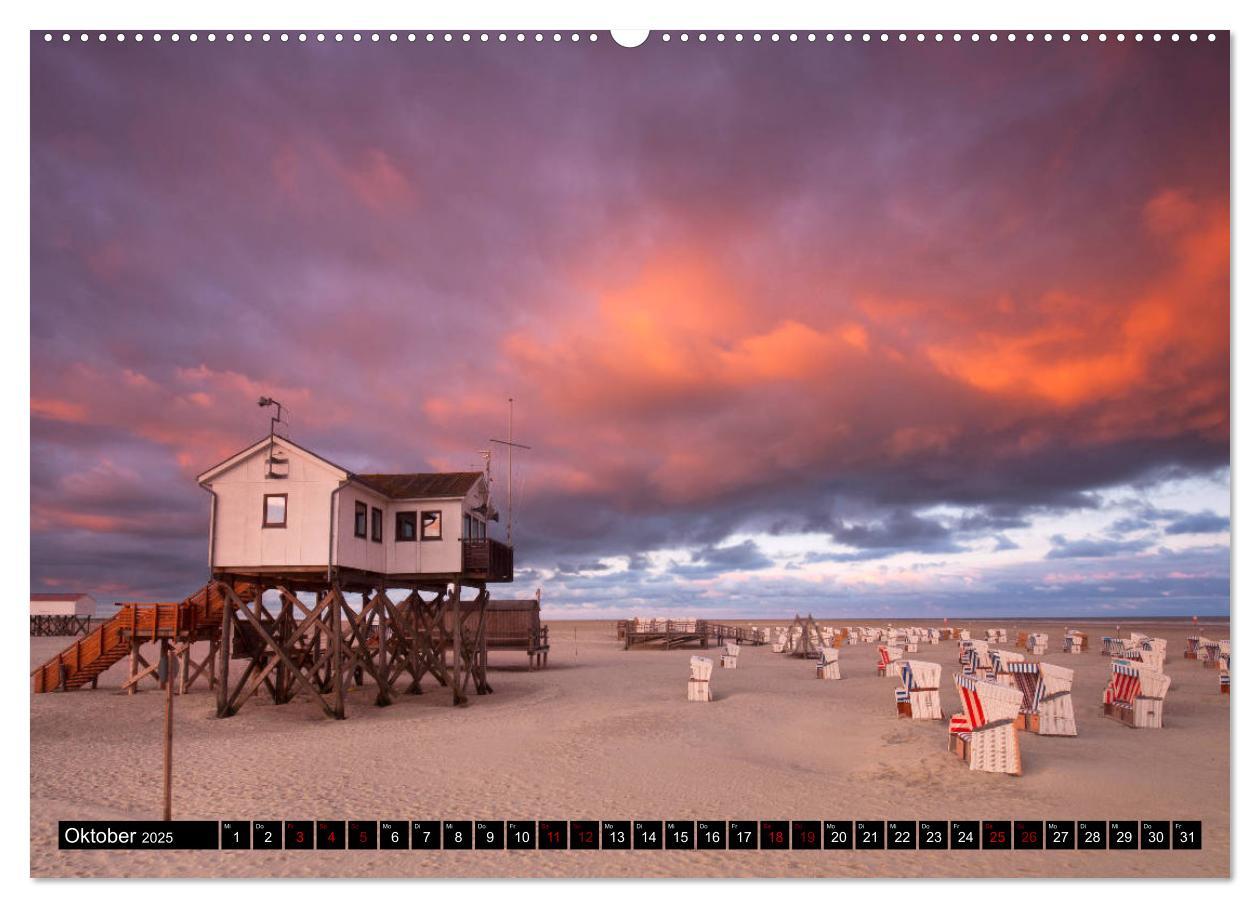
(279, 510)
(61, 614)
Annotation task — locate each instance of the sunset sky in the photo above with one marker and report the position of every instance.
(921, 329)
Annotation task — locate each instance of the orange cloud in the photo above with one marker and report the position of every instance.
(1087, 350)
(60, 410)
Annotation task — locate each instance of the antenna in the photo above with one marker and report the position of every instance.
(510, 444)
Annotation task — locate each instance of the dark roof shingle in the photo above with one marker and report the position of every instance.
(420, 485)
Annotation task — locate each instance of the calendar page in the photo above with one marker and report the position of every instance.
(731, 453)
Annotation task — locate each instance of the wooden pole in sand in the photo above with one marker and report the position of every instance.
(167, 677)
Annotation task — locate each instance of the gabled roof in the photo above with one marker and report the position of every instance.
(420, 485)
(259, 445)
(391, 485)
(56, 597)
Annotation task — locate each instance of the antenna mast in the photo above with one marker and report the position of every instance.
(510, 444)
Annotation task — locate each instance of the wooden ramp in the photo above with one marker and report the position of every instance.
(197, 617)
(671, 633)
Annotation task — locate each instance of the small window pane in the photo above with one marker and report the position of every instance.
(431, 525)
(360, 519)
(377, 519)
(275, 510)
(405, 526)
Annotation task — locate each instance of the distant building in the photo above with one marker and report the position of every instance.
(61, 614)
(279, 510)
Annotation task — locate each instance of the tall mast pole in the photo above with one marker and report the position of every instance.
(510, 444)
(509, 447)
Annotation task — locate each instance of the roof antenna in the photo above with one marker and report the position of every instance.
(510, 444)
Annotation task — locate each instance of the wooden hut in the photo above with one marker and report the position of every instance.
(61, 614)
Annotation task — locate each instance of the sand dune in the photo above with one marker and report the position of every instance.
(609, 734)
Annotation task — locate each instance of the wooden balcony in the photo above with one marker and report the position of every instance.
(488, 560)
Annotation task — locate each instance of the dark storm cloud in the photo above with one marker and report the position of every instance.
(1094, 548)
(1202, 522)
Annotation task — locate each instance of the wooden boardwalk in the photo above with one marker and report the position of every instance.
(673, 634)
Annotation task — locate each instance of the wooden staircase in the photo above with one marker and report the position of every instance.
(198, 617)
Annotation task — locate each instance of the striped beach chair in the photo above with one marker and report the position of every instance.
(887, 656)
(1209, 653)
(1055, 715)
(1112, 647)
(1192, 648)
(1073, 642)
(698, 683)
(829, 664)
(919, 694)
(1224, 669)
(1135, 695)
(1037, 644)
(983, 734)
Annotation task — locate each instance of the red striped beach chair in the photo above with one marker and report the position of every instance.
(919, 694)
(1135, 695)
(983, 734)
(887, 656)
(1192, 648)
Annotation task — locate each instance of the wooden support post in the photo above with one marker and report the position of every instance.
(225, 653)
(336, 603)
(457, 645)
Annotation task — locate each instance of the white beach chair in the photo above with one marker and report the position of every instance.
(983, 734)
(1073, 642)
(698, 683)
(829, 664)
(730, 654)
(919, 695)
(1135, 695)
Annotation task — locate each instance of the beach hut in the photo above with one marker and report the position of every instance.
(61, 614)
(829, 664)
(1135, 695)
(730, 654)
(919, 695)
(698, 683)
(983, 734)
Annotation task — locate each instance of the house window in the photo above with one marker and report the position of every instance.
(275, 510)
(378, 519)
(360, 519)
(468, 526)
(405, 526)
(430, 524)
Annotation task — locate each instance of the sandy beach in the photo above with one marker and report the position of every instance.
(608, 734)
